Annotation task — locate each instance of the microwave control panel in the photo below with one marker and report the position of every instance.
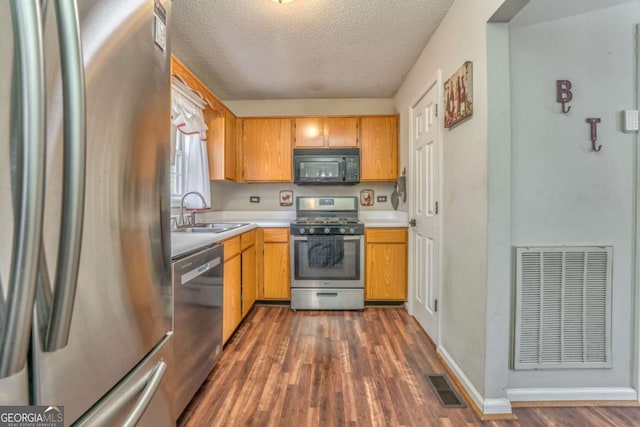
(352, 169)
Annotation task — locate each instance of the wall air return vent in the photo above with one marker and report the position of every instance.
(563, 307)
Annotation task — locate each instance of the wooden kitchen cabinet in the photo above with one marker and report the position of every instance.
(379, 148)
(386, 264)
(232, 303)
(274, 267)
(325, 132)
(266, 150)
(221, 142)
(249, 271)
(221, 123)
(222, 148)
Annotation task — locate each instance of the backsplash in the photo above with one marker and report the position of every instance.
(231, 196)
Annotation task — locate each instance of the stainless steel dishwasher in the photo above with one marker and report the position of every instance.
(197, 319)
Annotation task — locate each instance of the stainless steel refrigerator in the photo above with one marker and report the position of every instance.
(85, 290)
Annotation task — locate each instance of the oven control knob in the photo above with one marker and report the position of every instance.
(327, 230)
(342, 230)
(311, 231)
(302, 230)
(352, 230)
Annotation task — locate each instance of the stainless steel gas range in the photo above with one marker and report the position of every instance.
(327, 255)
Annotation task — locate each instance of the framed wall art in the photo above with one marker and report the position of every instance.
(286, 198)
(366, 197)
(458, 95)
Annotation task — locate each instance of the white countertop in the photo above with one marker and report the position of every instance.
(183, 243)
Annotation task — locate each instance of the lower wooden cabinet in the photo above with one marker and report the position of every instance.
(232, 303)
(249, 271)
(386, 264)
(248, 276)
(275, 277)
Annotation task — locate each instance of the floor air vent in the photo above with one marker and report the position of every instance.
(445, 393)
(563, 307)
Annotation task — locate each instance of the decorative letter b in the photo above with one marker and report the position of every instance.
(564, 94)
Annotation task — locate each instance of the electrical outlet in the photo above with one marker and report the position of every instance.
(381, 198)
(254, 199)
(630, 121)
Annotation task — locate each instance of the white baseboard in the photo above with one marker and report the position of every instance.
(496, 406)
(564, 394)
(487, 406)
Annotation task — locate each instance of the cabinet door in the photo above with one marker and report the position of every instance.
(215, 119)
(229, 146)
(249, 279)
(386, 271)
(266, 150)
(309, 132)
(341, 131)
(386, 264)
(379, 148)
(276, 276)
(231, 308)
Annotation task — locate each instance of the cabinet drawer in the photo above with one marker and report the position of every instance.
(231, 247)
(247, 239)
(386, 235)
(276, 234)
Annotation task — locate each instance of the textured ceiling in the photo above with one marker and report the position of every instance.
(258, 49)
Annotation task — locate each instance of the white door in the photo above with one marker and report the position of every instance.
(425, 234)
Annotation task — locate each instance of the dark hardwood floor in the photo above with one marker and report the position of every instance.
(345, 369)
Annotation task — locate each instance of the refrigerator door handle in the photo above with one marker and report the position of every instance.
(15, 332)
(73, 197)
(155, 378)
(146, 387)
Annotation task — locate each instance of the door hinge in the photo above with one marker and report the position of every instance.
(435, 306)
(436, 110)
(436, 208)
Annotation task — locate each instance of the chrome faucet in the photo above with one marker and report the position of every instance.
(192, 216)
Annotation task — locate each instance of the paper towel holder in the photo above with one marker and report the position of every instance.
(401, 185)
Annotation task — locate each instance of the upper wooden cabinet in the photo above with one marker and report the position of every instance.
(319, 132)
(266, 150)
(221, 142)
(379, 148)
(221, 132)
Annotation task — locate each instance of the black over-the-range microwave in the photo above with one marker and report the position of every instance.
(326, 166)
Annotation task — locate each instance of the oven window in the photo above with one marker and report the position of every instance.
(327, 257)
(319, 169)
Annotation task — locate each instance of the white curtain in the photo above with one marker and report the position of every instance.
(186, 115)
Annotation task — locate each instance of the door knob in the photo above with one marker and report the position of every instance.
(412, 222)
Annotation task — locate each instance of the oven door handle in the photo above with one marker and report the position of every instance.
(346, 238)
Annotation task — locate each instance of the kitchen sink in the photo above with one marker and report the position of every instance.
(210, 227)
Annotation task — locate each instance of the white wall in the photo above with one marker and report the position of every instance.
(233, 196)
(460, 37)
(562, 192)
(236, 196)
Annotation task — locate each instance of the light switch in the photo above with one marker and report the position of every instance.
(160, 33)
(630, 121)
